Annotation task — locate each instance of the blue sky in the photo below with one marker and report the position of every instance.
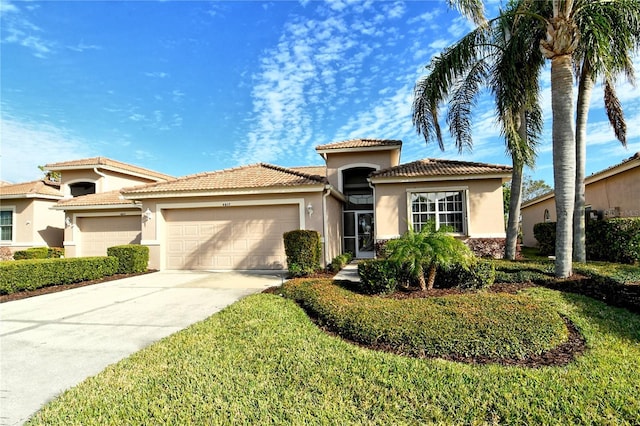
(185, 87)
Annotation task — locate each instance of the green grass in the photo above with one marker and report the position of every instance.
(262, 361)
(470, 325)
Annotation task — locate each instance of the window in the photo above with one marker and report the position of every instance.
(6, 225)
(547, 216)
(445, 208)
(82, 188)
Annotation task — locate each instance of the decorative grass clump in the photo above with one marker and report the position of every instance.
(486, 325)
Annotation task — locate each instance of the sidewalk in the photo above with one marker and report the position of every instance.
(348, 273)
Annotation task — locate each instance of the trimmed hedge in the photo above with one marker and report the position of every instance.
(39, 253)
(475, 325)
(613, 240)
(479, 275)
(32, 253)
(132, 258)
(303, 249)
(32, 274)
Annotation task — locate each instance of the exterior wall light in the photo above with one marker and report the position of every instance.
(67, 222)
(309, 209)
(146, 216)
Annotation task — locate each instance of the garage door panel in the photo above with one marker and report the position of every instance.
(96, 234)
(230, 237)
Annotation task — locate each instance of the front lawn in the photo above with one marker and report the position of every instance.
(263, 361)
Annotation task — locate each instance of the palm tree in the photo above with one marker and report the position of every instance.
(498, 54)
(427, 250)
(601, 55)
(565, 22)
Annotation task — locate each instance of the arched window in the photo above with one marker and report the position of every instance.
(547, 216)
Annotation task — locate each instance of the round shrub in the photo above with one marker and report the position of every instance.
(478, 275)
(377, 276)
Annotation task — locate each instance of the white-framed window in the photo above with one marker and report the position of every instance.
(6, 224)
(445, 208)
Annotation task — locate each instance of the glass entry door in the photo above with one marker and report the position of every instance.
(359, 236)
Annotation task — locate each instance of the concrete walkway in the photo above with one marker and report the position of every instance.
(52, 342)
(348, 273)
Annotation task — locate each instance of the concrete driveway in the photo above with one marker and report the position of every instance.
(52, 342)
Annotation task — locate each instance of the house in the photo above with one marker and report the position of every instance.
(28, 218)
(612, 192)
(235, 218)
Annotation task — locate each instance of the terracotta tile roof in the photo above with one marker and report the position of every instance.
(255, 176)
(99, 199)
(311, 170)
(33, 188)
(437, 167)
(360, 143)
(106, 162)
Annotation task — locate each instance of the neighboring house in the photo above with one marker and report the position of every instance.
(235, 218)
(613, 192)
(25, 216)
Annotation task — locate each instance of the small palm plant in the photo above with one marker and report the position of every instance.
(427, 250)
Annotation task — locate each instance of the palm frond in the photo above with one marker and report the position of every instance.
(614, 113)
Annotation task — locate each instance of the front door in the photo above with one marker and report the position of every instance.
(358, 234)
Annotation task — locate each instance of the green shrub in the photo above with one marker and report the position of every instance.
(132, 258)
(340, 261)
(613, 240)
(539, 272)
(377, 276)
(479, 324)
(32, 253)
(303, 250)
(32, 274)
(545, 233)
(478, 275)
(55, 253)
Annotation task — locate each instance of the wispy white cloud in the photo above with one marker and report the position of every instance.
(27, 145)
(81, 47)
(18, 29)
(157, 74)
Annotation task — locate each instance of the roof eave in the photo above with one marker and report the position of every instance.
(359, 149)
(438, 178)
(30, 196)
(95, 207)
(228, 192)
(112, 169)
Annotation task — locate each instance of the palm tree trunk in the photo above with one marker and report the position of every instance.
(585, 89)
(515, 200)
(421, 280)
(564, 160)
(432, 276)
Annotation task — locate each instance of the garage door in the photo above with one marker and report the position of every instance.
(99, 233)
(228, 237)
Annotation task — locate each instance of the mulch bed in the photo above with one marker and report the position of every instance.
(56, 288)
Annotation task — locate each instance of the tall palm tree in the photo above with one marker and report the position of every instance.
(498, 55)
(601, 55)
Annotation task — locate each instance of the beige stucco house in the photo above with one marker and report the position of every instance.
(235, 218)
(29, 211)
(613, 192)
(26, 218)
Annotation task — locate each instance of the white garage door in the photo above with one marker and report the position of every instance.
(223, 238)
(99, 233)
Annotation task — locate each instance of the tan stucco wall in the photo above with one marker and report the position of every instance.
(34, 224)
(333, 236)
(620, 192)
(535, 214)
(111, 182)
(338, 161)
(485, 206)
